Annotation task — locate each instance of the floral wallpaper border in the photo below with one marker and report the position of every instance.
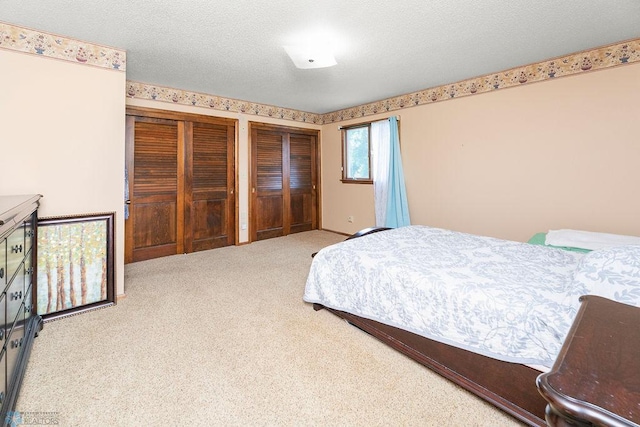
(596, 59)
(40, 43)
(50, 45)
(177, 96)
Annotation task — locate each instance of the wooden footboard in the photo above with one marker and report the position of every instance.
(509, 386)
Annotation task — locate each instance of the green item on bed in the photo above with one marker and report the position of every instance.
(540, 238)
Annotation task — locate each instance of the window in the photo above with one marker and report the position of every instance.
(356, 154)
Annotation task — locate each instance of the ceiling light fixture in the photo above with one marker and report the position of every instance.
(311, 55)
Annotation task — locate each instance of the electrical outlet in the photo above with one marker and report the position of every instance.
(350, 218)
(243, 226)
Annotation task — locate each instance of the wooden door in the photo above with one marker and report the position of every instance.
(268, 187)
(154, 227)
(209, 186)
(283, 181)
(303, 214)
(181, 173)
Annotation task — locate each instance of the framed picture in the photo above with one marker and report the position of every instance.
(75, 264)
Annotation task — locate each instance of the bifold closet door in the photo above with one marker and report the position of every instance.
(268, 192)
(209, 188)
(283, 182)
(181, 177)
(303, 214)
(154, 226)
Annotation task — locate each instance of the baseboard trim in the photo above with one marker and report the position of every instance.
(336, 232)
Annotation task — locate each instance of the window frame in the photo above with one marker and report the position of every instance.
(345, 179)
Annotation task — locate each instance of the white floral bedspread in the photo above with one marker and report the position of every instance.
(508, 300)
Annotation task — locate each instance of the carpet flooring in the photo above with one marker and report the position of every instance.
(223, 338)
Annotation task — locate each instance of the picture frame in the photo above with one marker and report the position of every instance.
(75, 264)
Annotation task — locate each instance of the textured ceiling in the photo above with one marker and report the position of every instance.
(235, 48)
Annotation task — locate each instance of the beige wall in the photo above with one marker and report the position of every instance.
(63, 128)
(557, 154)
(242, 147)
(62, 132)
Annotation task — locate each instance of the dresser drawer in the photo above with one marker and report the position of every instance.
(3, 376)
(28, 304)
(15, 251)
(3, 264)
(4, 327)
(15, 296)
(13, 347)
(28, 271)
(29, 233)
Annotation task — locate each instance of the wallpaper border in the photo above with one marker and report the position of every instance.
(16, 38)
(20, 39)
(622, 53)
(146, 91)
(617, 54)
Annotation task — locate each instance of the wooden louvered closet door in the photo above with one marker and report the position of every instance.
(155, 214)
(283, 181)
(210, 222)
(268, 213)
(181, 174)
(302, 183)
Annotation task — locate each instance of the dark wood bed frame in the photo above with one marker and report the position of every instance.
(509, 386)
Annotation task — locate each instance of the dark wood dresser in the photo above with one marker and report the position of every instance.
(20, 323)
(596, 377)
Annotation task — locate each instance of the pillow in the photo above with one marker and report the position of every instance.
(540, 239)
(588, 239)
(612, 273)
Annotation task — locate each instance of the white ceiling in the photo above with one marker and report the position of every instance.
(234, 48)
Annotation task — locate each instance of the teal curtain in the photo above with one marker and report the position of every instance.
(397, 206)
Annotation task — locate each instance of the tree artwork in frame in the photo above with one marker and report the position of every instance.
(75, 264)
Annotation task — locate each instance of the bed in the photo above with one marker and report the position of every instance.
(488, 314)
